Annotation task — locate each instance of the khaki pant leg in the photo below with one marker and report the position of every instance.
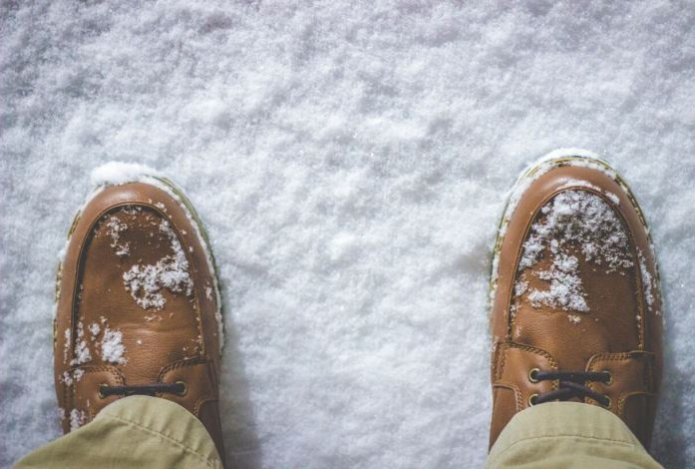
(136, 431)
(568, 435)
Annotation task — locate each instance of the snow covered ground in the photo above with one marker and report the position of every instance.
(350, 160)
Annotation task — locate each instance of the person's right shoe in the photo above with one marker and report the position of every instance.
(576, 306)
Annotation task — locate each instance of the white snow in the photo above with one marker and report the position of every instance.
(94, 329)
(613, 197)
(114, 228)
(66, 344)
(145, 282)
(580, 183)
(520, 288)
(586, 184)
(579, 218)
(82, 353)
(565, 289)
(649, 285)
(78, 374)
(573, 221)
(77, 419)
(402, 123)
(66, 378)
(70, 377)
(118, 172)
(112, 348)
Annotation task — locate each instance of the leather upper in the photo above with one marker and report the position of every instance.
(575, 288)
(137, 304)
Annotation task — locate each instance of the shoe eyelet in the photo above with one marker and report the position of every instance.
(185, 388)
(608, 404)
(532, 400)
(610, 378)
(102, 386)
(532, 375)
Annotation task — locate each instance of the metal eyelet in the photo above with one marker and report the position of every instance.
(185, 388)
(610, 378)
(102, 386)
(608, 404)
(532, 375)
(532, 400)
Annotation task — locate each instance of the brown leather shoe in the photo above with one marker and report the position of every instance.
(138, 308)
(576, 306)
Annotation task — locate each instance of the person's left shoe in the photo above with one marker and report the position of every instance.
(138, 309)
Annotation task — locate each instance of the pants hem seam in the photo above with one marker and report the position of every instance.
(177, 443)
(593, 439)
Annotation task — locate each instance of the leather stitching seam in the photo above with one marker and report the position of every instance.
(182, 364)
(642, 356)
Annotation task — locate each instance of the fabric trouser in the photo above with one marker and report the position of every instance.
(136, 431)
(568, 435)
(148, 432)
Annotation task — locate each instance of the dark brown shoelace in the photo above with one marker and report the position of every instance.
(572, 384)
(178, 387)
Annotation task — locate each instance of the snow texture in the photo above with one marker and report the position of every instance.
(77, 418)
(94, 329)
(115, 227)
(82, 354)
(579, 218)
(574, 220)
(118, 172)
(351, 162)
(112, 348)
(145, 282)
(565, 289)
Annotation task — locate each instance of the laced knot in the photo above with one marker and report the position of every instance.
(571, 384)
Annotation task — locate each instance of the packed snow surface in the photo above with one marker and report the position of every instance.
(351, 161)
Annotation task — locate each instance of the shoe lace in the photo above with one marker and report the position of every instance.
(178, 387)
(571, 385)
